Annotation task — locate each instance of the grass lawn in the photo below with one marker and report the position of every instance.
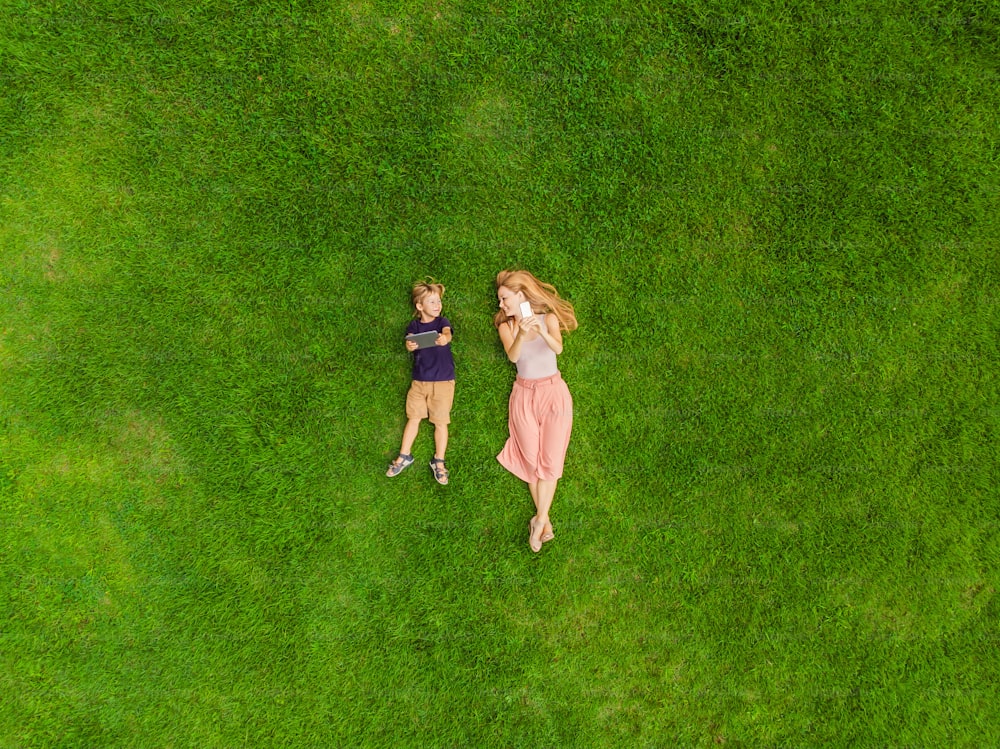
(779, 523)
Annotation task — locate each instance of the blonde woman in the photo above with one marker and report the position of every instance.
(540, 415)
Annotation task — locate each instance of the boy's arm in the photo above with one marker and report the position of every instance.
(445, 338)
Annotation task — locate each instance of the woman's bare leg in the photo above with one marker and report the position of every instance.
(547, 534)
(545, 491)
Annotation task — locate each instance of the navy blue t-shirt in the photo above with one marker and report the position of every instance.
(433, 364)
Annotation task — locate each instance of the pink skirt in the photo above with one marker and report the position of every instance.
(540, 420)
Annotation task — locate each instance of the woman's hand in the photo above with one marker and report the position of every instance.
(530, 324)
(549, 331)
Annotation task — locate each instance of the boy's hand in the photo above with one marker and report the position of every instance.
(411, 345)
(444, 338)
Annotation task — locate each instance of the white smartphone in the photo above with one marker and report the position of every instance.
(525, 309)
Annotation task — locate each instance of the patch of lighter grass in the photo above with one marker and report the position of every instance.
(146, 454)
(35, 242)
(366, 20)
(75, 562)
(60, 207)
(490, 116)
(72, 505)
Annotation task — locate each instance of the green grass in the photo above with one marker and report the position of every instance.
(779, 519)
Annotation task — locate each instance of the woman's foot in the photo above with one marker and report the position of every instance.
(547, 534)
(535, 537)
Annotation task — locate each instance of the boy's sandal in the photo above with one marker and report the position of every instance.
(440, 473)
(396, 467)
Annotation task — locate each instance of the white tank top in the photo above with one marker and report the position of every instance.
(537, 360)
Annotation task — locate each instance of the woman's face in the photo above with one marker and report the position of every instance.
(509, 300)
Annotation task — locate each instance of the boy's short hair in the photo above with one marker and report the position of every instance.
(422, 289)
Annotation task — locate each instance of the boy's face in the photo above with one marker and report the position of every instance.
(430, 306)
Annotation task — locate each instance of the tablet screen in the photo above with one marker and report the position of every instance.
(424, 340)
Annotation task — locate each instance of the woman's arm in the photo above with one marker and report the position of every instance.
(552, 333)
(549, 332)
(511, 343)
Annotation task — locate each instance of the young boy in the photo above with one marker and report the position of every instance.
(433, 388)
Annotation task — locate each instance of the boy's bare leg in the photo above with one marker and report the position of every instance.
(409, 435)
(440, 440)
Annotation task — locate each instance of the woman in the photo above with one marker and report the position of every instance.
(541, 409)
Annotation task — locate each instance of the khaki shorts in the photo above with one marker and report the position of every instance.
(430, 400)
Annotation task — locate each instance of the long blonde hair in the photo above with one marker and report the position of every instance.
(542, 296)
